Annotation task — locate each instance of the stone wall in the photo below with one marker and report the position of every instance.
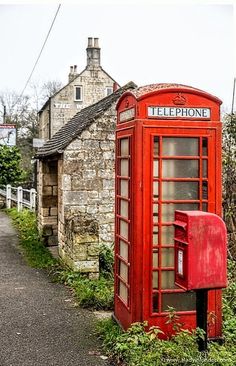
(86, 212)
(47, 188)
(44, 124)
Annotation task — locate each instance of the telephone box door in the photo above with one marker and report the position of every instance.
(181, 168)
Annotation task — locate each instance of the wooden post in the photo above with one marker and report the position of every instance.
(8, 196)
(32, 199)
(19, 198)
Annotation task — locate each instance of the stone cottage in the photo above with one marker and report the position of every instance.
(82, 90)
(76, 184)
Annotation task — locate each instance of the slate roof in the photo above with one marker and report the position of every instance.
(80, 122)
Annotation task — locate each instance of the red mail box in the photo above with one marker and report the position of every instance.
(200, 250)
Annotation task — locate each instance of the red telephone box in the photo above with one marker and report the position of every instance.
(168, 158)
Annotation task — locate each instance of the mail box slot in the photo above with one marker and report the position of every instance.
(200, 250)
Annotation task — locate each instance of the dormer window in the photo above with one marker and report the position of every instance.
(78, 93)
(109, 90)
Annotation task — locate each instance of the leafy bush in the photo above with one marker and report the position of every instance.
(106, 261)
(36, 254)
(10, 160)
(137, 346)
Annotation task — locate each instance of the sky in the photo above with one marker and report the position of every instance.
(145, 41)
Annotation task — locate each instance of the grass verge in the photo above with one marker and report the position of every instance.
(35, 253)
(95, 294)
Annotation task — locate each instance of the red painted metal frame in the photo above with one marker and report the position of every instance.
(141, 131)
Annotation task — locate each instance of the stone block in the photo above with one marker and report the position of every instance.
(53, 211)
(86, 266)
(88, 174)
(92, 209)
(108, 184)
(49, 179)
(85, 239)
(50, 220)
(108, 155)
(45, 211)
(104, 145)
(73, 198)
(93, 194)
(49, 201)
(85, 135)
(76, 144)
(66, 182)
(111, 136)
(93, 250)
(47, 190)
(81, 252)
(55, 190)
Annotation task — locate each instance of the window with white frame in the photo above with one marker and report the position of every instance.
(78, 93)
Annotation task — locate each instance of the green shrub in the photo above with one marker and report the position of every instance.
(90, 293)
(106, 261)
(137, 346)
(10, 160)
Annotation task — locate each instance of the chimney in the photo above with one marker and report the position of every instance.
(73, 72)
(93, 53)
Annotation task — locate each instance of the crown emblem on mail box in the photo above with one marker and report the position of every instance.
(179, 99)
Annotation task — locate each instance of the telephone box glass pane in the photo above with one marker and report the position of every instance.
(179, 301)
(155, 280)
(124, 188)
(180, 190)
(167, 235)
(124, 229)
(123, 271)
(155, 213)
(204, 190)
(155, 303)
(123, 292)
(124, 167)
(156, 145)
(155, 258)
(155, 236)
(124, 250)
(180, 146)
(167, 257)
(204, 146)
(124, 208)
(155, 189)
(204, 168)
(124, 147)
(180, 168)
(168, 210)
(155, 168)
(167, 279)
(204, 207)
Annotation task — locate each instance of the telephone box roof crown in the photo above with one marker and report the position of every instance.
(152, 88)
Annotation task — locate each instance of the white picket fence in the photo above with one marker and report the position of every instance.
(19, 197)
